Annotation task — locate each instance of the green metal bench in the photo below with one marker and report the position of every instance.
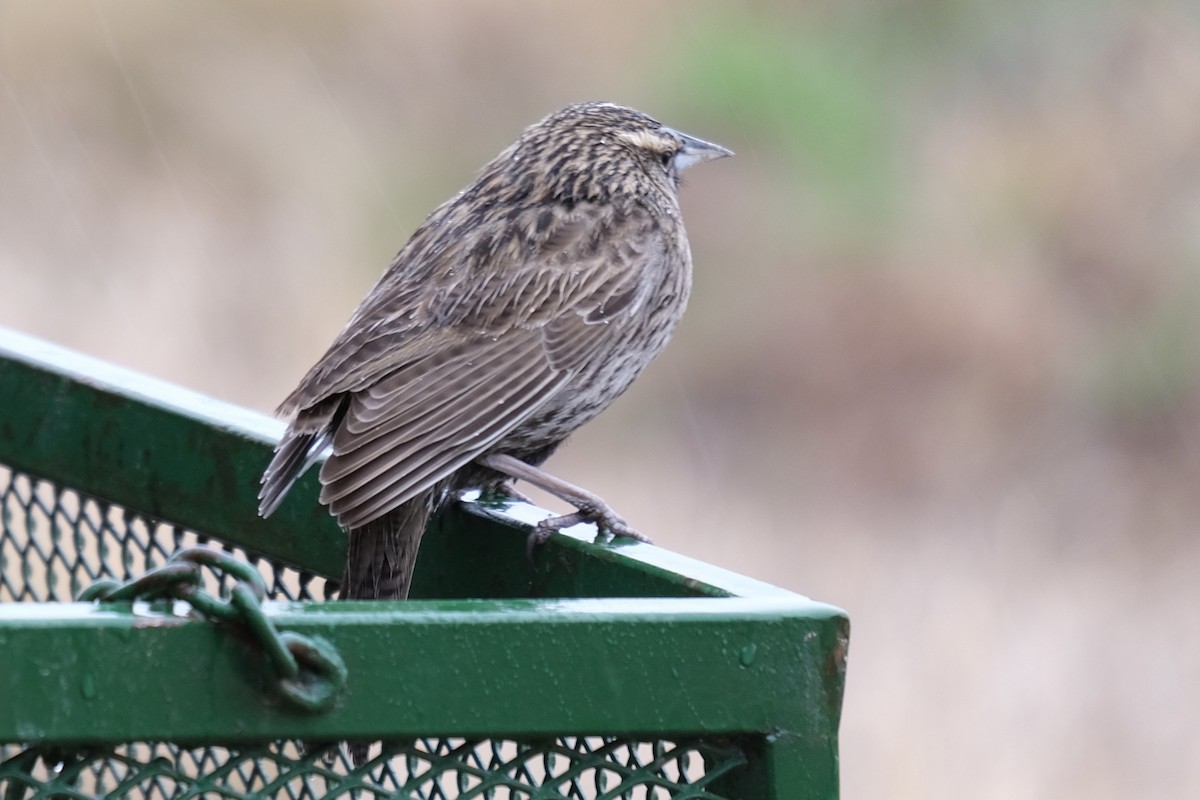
(604, 671)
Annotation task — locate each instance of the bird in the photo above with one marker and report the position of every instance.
(516, 312)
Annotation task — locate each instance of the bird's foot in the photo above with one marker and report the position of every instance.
(590, 507)
(502, 494)
(595, 511)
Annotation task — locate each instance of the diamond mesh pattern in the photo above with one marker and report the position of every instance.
(429, 769)
(56, 541)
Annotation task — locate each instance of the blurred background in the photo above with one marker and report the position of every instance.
(942, 364)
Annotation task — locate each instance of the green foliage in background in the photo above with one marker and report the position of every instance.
(820, 99)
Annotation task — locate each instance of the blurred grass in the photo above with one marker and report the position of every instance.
(1149, 372)
(814, 99)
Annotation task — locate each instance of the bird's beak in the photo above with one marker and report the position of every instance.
(696, 150)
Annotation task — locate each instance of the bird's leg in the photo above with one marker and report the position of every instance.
(590, 507)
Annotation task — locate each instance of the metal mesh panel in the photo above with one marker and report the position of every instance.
(429, 769)
(56, 541)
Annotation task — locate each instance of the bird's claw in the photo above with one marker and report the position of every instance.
(604, 518)
(608, 522)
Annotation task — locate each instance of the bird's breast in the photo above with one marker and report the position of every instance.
(636, 339)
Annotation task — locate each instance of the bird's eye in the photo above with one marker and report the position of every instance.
(665, 157)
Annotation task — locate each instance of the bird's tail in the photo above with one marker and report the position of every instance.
(381, 554)
(379, 565)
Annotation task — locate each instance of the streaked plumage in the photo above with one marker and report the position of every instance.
(518, 311)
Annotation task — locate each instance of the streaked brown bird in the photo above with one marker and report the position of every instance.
(519, 310)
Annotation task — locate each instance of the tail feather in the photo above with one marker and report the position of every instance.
(379, 565)
(306, 439)
(382, 553)
(292, 457)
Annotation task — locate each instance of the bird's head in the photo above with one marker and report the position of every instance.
(593, 151)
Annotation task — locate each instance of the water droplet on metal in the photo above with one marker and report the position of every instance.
(748, 653)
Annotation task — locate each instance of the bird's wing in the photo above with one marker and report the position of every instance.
(427, 419)
(422, 400)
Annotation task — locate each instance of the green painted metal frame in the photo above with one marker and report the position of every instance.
(595, 639)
